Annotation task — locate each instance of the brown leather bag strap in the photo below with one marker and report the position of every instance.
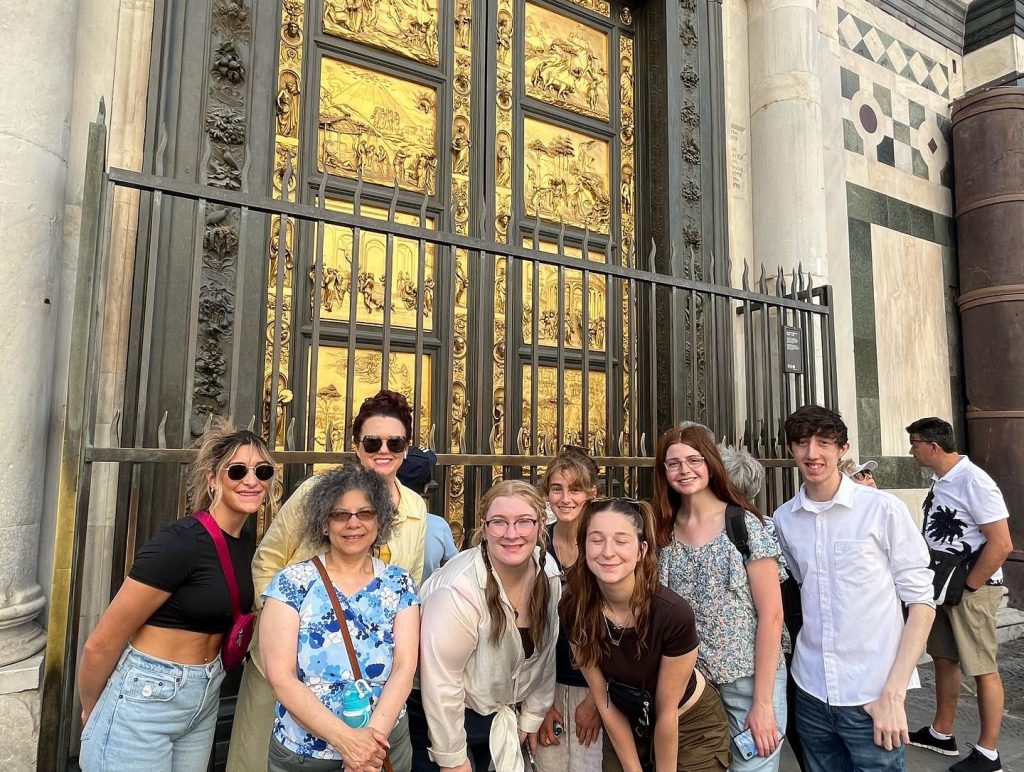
(357, 673)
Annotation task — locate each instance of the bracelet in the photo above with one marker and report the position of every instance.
(969, 588)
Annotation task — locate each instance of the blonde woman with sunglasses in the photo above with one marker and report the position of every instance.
(381, 432)
(151, 671)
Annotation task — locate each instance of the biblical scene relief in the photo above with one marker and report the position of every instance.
(566, 63)
(566, 176)
(371, 281)
(571, 400)
(572, 303)
(332, 381)
(405, 27)
(382, 124)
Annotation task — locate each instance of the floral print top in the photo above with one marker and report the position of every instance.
(713, 578)
(322, 662)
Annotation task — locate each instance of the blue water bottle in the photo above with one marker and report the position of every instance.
(356, 703)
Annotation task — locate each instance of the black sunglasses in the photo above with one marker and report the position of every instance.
(372, 443)
(237, 472)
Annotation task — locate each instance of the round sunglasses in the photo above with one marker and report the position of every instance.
(372, 443)
(237, 472)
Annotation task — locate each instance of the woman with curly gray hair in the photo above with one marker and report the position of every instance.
(349, 512)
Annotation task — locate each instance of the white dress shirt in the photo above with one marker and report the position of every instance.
(460, 668)
(855, 558)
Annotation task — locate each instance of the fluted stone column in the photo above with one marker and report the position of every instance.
(37, 59)
(787, 169)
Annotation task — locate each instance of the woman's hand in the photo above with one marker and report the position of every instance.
(546, 735)
(588, 721)
(761, 720)
(362, 749)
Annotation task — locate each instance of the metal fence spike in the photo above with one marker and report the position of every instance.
(161, 432)
(561, 235)
(693, 262)
(289, 435)
(521, 440)
(161, 149)
(762, 282)
(394, 201)
(286, 178)
(810, 284)
(209, 423)
(321, 192)
(252, 423)
(329, 436)
(745, 281)
(536, 232)
(481, 219)
(793, 284)
(115, 428)
(652, 254)
(622, 443)
(357, 196)
(423, 210)
(101, 113)
(430, 437)
(642, 451)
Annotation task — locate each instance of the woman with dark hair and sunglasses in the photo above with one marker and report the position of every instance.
(635, 642)
(349, 512)
(150, 673)
(487, 651)
(381, 433)
(736, 598)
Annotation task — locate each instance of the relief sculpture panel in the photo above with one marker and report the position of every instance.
(571, 399)
(567, 176)
(566, 63)
(574, 296)
(385, 125)
(405, 27)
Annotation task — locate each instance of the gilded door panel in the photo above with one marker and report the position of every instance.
(566, 176)
(572, 410)
(384, 124)
(572, 303)
(566, 63)
(404, 27)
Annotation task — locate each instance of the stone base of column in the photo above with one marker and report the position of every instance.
(20, 634)
(19, 731)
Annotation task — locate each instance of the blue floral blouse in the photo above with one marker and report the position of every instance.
(323, 663)
(713, 578)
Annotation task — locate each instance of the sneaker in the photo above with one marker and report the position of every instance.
(977, 762)
(923, 738)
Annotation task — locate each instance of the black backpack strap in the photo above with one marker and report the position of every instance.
(736, 529)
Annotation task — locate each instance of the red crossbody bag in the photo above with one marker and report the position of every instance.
(236, 644)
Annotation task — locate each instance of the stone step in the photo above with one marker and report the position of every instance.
(1009, 623)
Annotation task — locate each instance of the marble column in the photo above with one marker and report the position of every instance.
(38, 58)
(787, 167)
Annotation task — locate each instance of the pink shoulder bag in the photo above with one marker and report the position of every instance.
(236, 644)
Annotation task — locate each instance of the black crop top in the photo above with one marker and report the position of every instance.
(182, 560)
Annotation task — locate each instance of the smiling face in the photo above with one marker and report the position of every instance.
(511, 528)
(613, 547)
(685, 469)
(383, 462)
(247, 495)
(818, 459)
(566, 497)
(352, 536)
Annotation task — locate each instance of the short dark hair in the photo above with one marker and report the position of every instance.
(389, 404)
(934, 429)
(815, 420)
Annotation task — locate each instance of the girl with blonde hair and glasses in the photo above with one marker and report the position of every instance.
(736, 596)
(487, 641)
(151, 671)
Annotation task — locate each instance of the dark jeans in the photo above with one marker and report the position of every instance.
(792, 732)
(478, 733)
(841, 739)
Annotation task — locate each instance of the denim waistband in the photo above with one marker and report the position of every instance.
(132, 657)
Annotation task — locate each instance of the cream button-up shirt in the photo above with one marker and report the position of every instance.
(855, 558)
(460, 668)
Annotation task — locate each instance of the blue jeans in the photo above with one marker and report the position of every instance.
(841, 739)
(737, 697)
(154, 715)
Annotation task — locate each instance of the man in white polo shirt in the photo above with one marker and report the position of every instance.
(964, 514)
(856, 553)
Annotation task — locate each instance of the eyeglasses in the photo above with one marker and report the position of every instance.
(862, 475)
(920, 442)
(372, 443)
(343, 516)
(499, 526)
(237, 472)
(693, 462)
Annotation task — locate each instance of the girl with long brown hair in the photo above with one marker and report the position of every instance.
(736, 597)
(487, 655)
(636, 644)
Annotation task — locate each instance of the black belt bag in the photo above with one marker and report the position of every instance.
(635, 703)
(951, 569)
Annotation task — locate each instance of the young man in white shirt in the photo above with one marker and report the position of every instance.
(856, 553)
(964, 514)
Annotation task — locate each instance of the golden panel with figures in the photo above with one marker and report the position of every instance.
(567, 176)
(566, 63)
(571, 399)
(332, 382)
(385, 125)
(336, 283)
(405, 27)
(572, 302)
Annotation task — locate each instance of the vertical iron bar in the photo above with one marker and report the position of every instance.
(353, 320)
(192, 334)
(561, 308)
(585, 344)
(421, 278)
(316, 299)
(388, 279)
(534, 367)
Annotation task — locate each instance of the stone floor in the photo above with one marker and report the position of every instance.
(921, 704)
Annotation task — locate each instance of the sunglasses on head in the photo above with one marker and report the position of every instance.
(237, 472)
(372, 443)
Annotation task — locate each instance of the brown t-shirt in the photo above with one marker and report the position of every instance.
(672, 632)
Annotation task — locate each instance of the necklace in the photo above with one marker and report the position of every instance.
(608, 624)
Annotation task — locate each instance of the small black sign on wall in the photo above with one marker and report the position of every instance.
(792, 350)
